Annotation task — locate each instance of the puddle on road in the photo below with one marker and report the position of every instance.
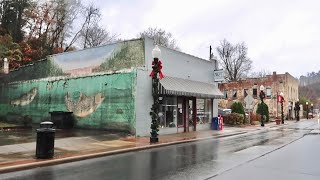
(263, 142)
(279, 137)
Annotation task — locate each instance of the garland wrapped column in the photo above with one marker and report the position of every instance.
(156, 70)
(281, 99)
(262, 96)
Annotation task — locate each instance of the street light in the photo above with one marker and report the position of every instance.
(281, 101)
(262, 96)
(297, 110)
(312, 110)
(307, 104)
(290, 110)
(156, 68)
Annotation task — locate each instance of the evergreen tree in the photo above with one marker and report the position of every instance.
(237, 107)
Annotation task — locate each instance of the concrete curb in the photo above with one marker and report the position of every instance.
(50, 162)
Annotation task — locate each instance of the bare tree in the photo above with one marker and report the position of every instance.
(233, 58)
(161, 37)
(95, 35)
(259, 74)
(92, 14)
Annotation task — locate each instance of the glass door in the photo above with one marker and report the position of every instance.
(187, 113)
(180, 112)
(191, 114)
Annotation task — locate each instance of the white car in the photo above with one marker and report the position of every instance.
(223, 112)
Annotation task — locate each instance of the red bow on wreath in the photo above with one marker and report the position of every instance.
(159, 69)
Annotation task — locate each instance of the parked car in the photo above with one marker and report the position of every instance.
(223, 112)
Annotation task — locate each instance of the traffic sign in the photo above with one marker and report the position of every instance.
(248, 100)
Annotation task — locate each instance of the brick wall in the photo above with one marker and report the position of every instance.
(274, 84)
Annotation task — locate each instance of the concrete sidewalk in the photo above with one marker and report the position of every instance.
(22, 156)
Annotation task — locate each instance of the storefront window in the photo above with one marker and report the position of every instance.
(168, 112)
(204, 107)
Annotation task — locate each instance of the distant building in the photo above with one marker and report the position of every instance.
(274, 84)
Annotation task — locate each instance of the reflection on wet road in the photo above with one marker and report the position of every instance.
(13, 136)
(197, 160)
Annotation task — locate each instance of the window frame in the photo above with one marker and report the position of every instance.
(270, 95)
(234, 94)
(225, 93)
(255, 93)
(245, 92)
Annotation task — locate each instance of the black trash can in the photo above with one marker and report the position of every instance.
(62, 119)
(45, 141)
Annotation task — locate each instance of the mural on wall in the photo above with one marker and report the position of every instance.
(112, 57)
(129, 54)
(25, 98)
(40, 69)
(85, 105)
(103, 101)
(76, 82)
(117, 56)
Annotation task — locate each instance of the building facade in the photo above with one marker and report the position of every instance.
(109, 87)
(274, 84)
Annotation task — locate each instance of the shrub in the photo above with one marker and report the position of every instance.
(233, 119)
(237, 107)
(255, 118)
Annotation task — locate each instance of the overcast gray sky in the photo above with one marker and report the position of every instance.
(281, 35)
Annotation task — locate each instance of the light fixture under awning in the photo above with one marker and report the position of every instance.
(184, 87)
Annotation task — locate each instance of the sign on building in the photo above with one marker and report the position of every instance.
(218, 75)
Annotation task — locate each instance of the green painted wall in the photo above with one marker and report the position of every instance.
(98, 101)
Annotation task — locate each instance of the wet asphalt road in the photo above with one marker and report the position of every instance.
(297, 161)
(207, 159)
